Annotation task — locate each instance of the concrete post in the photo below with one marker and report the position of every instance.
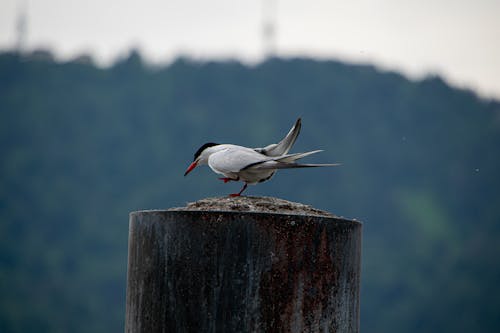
(243, 265)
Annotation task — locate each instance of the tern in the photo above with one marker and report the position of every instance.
(252, 165)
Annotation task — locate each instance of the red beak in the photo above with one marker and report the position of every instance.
(191, 167)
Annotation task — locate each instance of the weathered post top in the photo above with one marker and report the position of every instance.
(244, 264)
(252, 205)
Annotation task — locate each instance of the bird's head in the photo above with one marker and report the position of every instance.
(201, 156)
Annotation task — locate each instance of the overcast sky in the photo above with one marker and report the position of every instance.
(458, 39)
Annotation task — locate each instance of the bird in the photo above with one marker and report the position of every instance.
(252, 165)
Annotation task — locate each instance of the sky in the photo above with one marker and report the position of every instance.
(457, 39)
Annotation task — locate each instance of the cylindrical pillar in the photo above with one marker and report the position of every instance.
(228, 271)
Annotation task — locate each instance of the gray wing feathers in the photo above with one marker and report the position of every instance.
(293, 157)
(234, 160)
(284, 146)
(285, 162)
(271, 165)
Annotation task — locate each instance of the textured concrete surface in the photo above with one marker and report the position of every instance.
(244, 265)
(254, 204)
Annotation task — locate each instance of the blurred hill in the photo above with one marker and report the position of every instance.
(82, 146)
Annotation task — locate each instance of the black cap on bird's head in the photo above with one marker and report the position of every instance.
(202, 148)
(197, 154)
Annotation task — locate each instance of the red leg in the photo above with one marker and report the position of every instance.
(239, 193)
(225, 180)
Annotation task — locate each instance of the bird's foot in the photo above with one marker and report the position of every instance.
(239, 193)
(225, 179)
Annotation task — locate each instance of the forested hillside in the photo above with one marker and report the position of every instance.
(82, 146)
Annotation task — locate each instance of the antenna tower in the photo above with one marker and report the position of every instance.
(21, 28)
(269, 28)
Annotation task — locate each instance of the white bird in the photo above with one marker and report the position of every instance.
(251, 165)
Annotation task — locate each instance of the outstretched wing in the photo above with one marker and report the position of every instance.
(273, 165)
(284, 146)
(285, 162)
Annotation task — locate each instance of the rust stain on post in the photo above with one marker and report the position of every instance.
(243, 266)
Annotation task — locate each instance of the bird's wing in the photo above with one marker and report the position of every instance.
(285, 162)
(234, 159)
(282, 147)
(289, 158)
(273, 165)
